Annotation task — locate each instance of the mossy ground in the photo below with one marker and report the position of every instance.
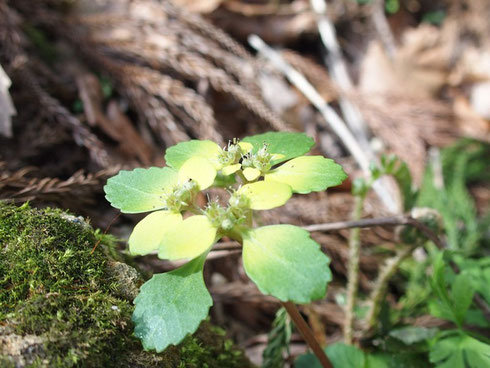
(53, 287)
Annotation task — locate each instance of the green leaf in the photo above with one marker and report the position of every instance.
(412, 334)
(378, 361)
(188, 239)
(177, 155)
(285, 143)
(461, 351)
(343, 355)
(442, 307)
(140, 190)
(396, 360)
(171, 305)
(340, 355)
(266, 195)
(308, 174)
(285, 262)
(149, 232)
(348, 356)
(462, 293)
(404, 179)
(454, 306)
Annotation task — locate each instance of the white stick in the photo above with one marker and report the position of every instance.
(338, 70)
(332, 119)
(383, 27)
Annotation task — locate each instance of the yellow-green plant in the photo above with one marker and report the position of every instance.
(259, 173)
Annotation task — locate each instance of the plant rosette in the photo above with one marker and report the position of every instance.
(259, 173)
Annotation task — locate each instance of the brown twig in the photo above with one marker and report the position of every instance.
(382, 221)
(307, 334)
(341, 225)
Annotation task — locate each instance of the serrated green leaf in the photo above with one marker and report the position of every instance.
(460, 351)
(171, 305)
(308, 174)
(188, 239)
(149, 232)
(140, 190)
(266, 195)
(285, 262)
(288, 144)
(177, 155)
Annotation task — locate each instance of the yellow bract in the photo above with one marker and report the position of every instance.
(198, 169)
(251, 173)
(149, 232)
(265, 195)
(231, 169)
(188, 239)
(304, 174)
(245, 146)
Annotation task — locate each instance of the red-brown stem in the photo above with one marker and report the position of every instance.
(307, 334)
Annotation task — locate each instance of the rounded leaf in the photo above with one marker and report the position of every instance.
(171, 305)
(230, 169)
(286, 263)
(307, 174)
(198, 169)
(286, 144)
(149, 232)
(177, 155)
(264, 195)
(251, 173)
(140, 190)
(187, 240)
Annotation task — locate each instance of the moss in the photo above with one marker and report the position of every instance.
(63, 304)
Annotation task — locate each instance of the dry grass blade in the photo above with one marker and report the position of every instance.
(20, 187)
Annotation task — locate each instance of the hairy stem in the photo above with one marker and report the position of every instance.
(353, 271)
(381, 285)
(307, 334)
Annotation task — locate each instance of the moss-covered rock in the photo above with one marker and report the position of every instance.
(64, 303)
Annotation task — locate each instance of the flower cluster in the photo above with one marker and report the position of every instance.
(259, 173)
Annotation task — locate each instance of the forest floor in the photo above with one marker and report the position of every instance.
(89, 88)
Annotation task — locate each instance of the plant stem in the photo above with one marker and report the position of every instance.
(381, 284)
(242, 177)
(307, 334)
(353, 271)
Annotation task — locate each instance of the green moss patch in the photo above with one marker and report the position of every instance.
(64, 305)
